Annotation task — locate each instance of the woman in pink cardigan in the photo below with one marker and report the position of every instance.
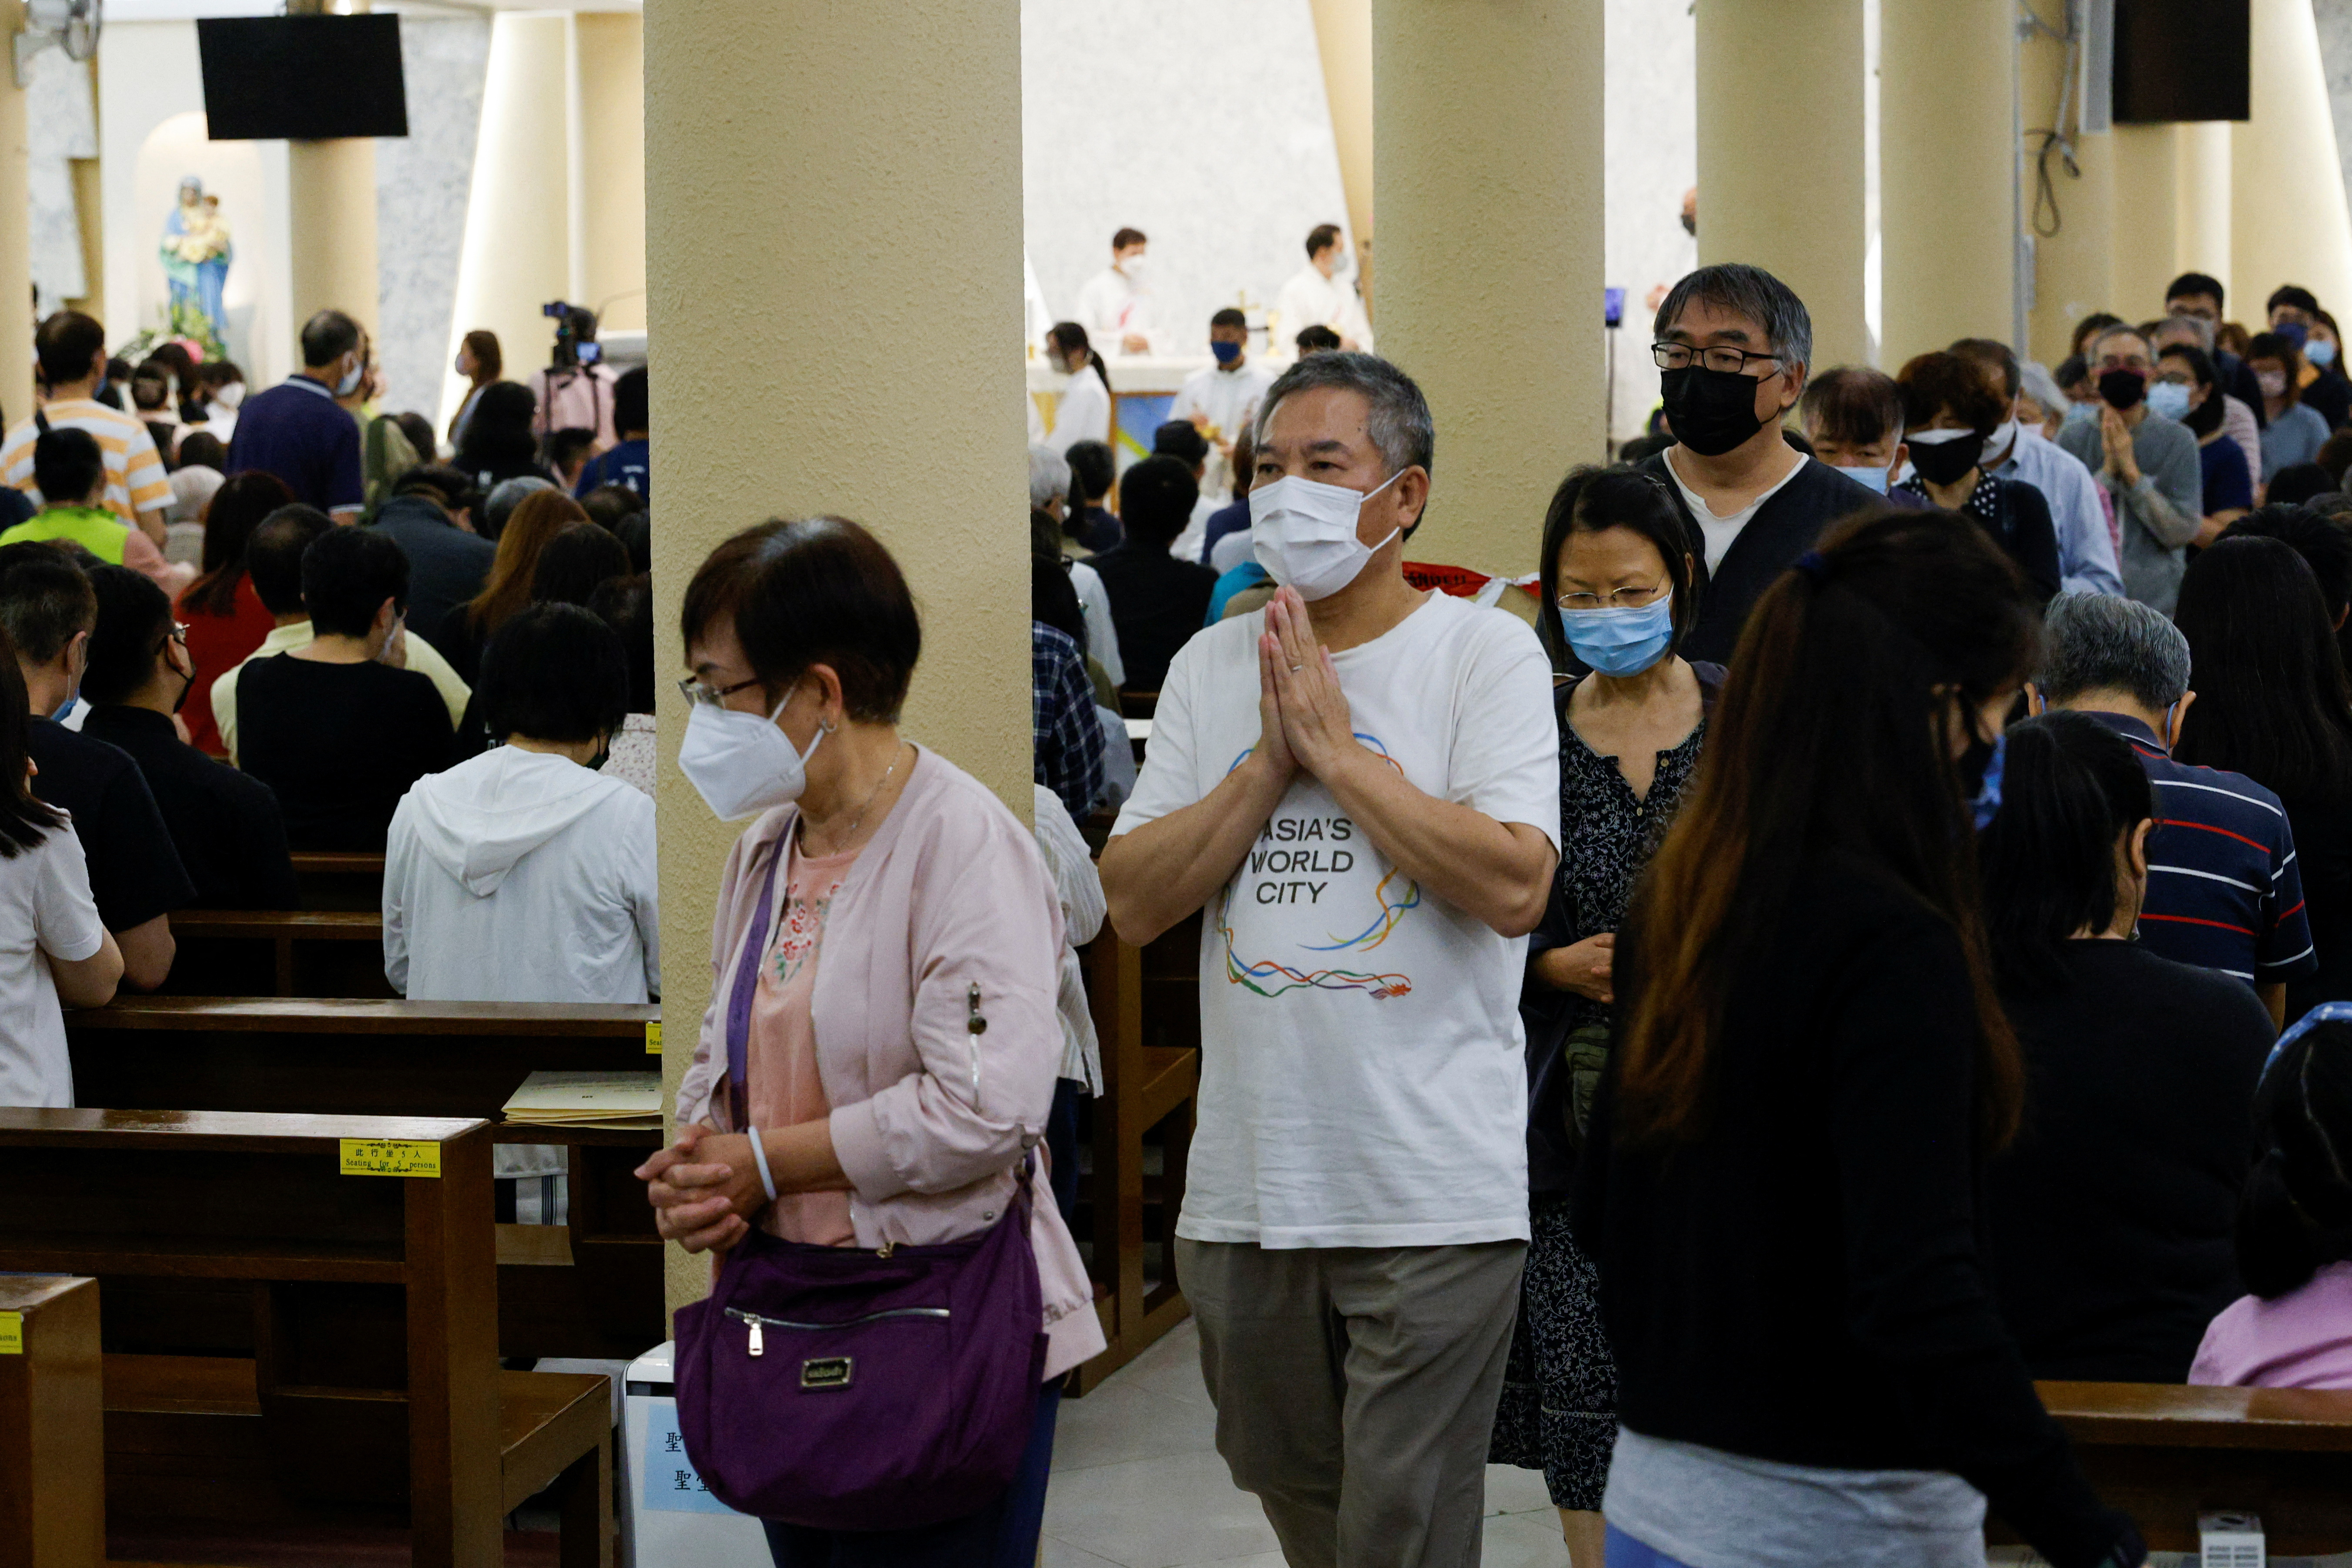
(904, 890)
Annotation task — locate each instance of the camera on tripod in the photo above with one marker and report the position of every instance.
(575, 334)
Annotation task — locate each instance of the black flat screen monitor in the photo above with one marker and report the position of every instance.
(302, 78)
(2182, 59)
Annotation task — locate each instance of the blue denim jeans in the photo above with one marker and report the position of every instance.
(1624, 1552)
(1002, 1535)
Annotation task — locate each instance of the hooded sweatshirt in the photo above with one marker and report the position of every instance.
(520, 877)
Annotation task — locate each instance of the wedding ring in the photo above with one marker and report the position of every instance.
(1297, 667)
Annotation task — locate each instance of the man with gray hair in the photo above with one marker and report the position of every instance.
(1734, 344)
(1359, 789)
(2148, 465)
(2223, 889)
(1049, 481)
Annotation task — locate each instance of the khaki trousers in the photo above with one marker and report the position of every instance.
(1355, 1391)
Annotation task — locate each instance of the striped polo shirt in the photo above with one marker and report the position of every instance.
(2223, 889)
(135, 481)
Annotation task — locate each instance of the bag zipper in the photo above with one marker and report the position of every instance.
(756, 1322)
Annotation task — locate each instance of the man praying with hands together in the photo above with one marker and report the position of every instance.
(1361, 790)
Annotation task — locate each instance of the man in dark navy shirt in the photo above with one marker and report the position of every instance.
(298, 431)
(2223, 891)
(224, 824)
(629, 464)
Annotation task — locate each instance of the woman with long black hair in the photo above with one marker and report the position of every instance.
(1810, 1069)
(2271, 704)
(2111, 1214)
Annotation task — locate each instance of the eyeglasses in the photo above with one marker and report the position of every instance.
(704, 695)
(178, 633)
(1623, 599)
(1730, 360)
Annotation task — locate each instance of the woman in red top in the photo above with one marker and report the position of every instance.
(227, 619)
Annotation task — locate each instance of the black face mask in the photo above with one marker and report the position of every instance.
(1711, 411)
(2122, 388)
(1947, 462)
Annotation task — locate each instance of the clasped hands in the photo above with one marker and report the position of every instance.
(704, 1188)
(2115, 440)
(1302, 713)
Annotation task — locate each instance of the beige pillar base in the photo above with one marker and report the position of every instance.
(1780, 191)
(843, 199)
(330, 195)
(1487, 158)
(1947, 207)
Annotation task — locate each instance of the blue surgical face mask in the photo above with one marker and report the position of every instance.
(1227, 352)
(2320, 352)
(2169, 398)
(1869, 478)
(1621, 642)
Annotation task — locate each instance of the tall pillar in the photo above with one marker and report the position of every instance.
(16, 235)
(1486, 125)
(2147, 226)
(844, 199)
(2202, 182)
(1343, 37)
(611, 54)
(2073, 268)
(1946, 172)
(331, 200)
(1785, 192)
(2289, 223)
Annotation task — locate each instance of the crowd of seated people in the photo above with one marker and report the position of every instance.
(2015, 736)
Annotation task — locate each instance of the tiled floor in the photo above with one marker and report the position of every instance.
(1138, 1483)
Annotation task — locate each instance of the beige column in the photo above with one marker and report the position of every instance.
(1784, 192)
(844, 199)
(612, 52)
(1487, 157)
(1343, 37)
(16, 223)
(2147, 224)
(1947, 207)
(2289, 223)
(2202, 184)
(331, 208)
(2072, 269)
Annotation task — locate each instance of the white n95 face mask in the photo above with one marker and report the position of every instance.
(741, 763)
(1303, 533)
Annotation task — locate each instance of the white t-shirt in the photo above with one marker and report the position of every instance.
(44, 908)
(1082, 413)
(1102, 632)
(1228, 398)
(1110, 306)
(1721, 530)
(1311, 299)
(1363, 1072)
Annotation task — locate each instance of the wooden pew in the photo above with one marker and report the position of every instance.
(52, 1443)
(274, 1291)
(333, 879)
(1147, 1014)
(2164, 1454)
(277, 952)
(593, 1287)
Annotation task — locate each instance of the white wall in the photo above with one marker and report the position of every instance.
(1652, 157)
(1202, 124)
(151, 132)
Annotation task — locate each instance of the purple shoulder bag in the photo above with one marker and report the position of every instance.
(839, 1388)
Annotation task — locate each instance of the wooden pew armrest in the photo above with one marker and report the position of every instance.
(547, 1420)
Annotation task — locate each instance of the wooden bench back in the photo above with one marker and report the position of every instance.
(52, 1435)
(592, 1288)
(369, 1301)
(277, 952)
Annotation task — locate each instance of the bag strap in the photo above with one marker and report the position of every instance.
(739, 1001)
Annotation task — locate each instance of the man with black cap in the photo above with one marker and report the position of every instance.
(1734, 343)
